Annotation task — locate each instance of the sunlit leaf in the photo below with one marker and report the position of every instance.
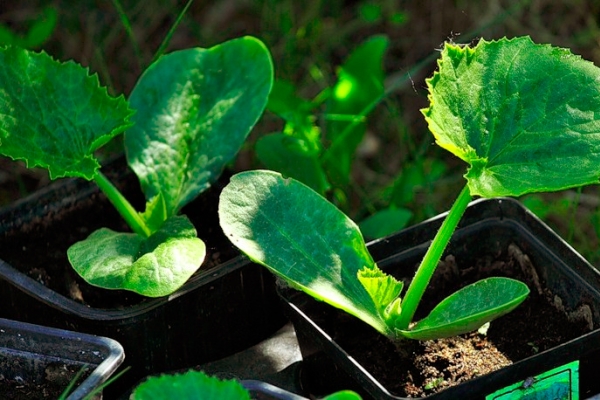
(153, 267)
(523, 115)
(301, 237)
(195, 108)
(54, 114)
(469, 308)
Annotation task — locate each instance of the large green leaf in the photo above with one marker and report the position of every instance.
(154, 266)
(470, 308)
(301, 237)
(55, 115)
(195, 108)
(524, 116)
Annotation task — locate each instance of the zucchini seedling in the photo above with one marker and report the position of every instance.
(187, 117)
(525, 117)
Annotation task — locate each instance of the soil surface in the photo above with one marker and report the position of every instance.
(57, 378)
(38, 246)
(420, 368)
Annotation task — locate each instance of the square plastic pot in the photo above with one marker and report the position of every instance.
(488, 226)
(33, 354)
(218, 312)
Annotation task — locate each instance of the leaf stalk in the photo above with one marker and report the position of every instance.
(129, 214)
(431, 259)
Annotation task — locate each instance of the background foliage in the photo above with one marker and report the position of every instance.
(396, 163)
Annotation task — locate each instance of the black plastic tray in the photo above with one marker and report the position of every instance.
(27, 351)
(487, 226)
(216, 313)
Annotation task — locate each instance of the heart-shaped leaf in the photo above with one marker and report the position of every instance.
(524, 116)
(195, 108)
(469, 308)
(301, 237)
(153, 267)
(55, 115)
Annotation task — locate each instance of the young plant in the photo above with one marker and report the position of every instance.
(187, 117)
(523, 116)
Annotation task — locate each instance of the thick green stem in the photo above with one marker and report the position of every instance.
(432, 257)
(129, 214)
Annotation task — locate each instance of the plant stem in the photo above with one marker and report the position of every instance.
(432, 257)
(129, 214)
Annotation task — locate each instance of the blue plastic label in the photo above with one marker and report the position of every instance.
(561, 383)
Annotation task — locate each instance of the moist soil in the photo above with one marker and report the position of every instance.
(420, 368)
(38, 246)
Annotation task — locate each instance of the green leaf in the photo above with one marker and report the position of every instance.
(301, 237)
(343, 395)
(304, 135)
(40, 31)
(195, 108)
(42, 28)
(384, 290)
(153, 267)
(54, 114)
(385, 222)
(155, 213)
(278, 152)
(284, 102)
(415, 176)
(469, 308)
(191, 385)
(524, 116)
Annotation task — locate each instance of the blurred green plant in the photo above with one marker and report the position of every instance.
(39, 32)
(321, 136)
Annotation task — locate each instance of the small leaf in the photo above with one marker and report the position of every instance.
(385, 222)
(301, 237)
(154, 267)
(54, 114)
(524, 116)
(40, 31)
(384, 290)
(155, 213)
(195, 108)
(469, 308)
(191, 385)
(42, 28)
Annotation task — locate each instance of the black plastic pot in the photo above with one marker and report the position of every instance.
(488, 227)
(32, 355)
(216, 313)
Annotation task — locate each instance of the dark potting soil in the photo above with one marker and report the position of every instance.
(38, 247)
(57, 377)
(420, 368)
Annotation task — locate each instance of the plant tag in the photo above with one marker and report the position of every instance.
(559, 383)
